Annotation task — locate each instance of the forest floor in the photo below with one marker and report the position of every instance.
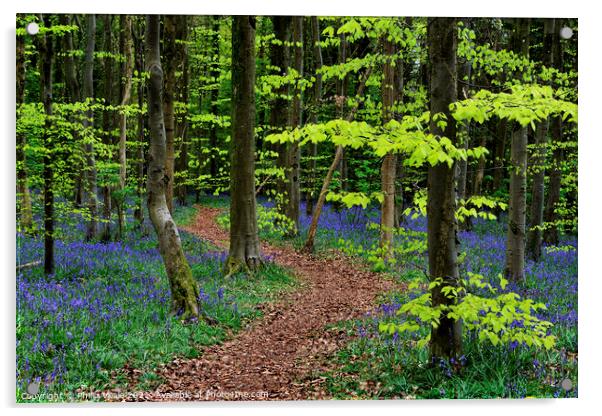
(281, 355)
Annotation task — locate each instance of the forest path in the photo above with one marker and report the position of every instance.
(283, 352)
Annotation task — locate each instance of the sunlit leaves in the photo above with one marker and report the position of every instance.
(525, 104)
(500, 318)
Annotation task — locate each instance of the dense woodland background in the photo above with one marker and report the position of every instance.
(291, 121)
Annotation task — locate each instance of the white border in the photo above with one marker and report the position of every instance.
(590, 154)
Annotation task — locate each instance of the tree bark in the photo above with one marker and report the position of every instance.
(107, 122)
(281, 117)
(388, 167)
(184, 290)
(550, 235)
(317, 97)
(182, 96)
(126, 30)
(169, 42)
(499, 156)
(140, 187)
(480, 172)
(293, 152)
(341, 96)
(535, 235)
(26, 216)
(515, 245)
(214, 97)
(73, 94)
(88, 92)
(46, 58)
(517, 208)
(446, 339)
(244, 251)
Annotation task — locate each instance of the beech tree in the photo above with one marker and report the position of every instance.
(517, 207)
(446, 338)
(25, 211)
(316, 98)
(535, 235)
(184, 289)
(169, 41)
(389, 164)
(46, 68)
(88, 93)
(244, 251)
(126, 30)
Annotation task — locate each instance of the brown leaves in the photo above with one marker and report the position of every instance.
(281, 356)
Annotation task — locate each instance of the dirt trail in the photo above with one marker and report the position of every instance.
(283, 352)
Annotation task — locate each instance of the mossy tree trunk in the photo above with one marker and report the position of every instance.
(244, 254)
(184, 290)
(446, 339)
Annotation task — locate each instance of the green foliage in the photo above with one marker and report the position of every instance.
(525, 104)
(500, 318)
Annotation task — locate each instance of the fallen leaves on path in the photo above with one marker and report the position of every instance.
(281, 355)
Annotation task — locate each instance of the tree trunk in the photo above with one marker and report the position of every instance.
(140, 187)
(26, 216)
(499, 156)
(214, 97)
(88, 92)
(46, 57)
(338, 155)
(244, 237)
(317, 98)
(280, 118)
(517, 208)
(126, 29)
(515, 245)
(182, 124)
(341, 92)
(293, 152)
(169, 42)
(388, 167)
(446, 339)
(73, 95)
(107, 122)
(184, 290)
(535, 235)
(480, 173)
(550, 235)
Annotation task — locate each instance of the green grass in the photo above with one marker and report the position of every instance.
(133, 289)
(375, 365)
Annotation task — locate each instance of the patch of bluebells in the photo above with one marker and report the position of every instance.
(101, 292)
(552, 281)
